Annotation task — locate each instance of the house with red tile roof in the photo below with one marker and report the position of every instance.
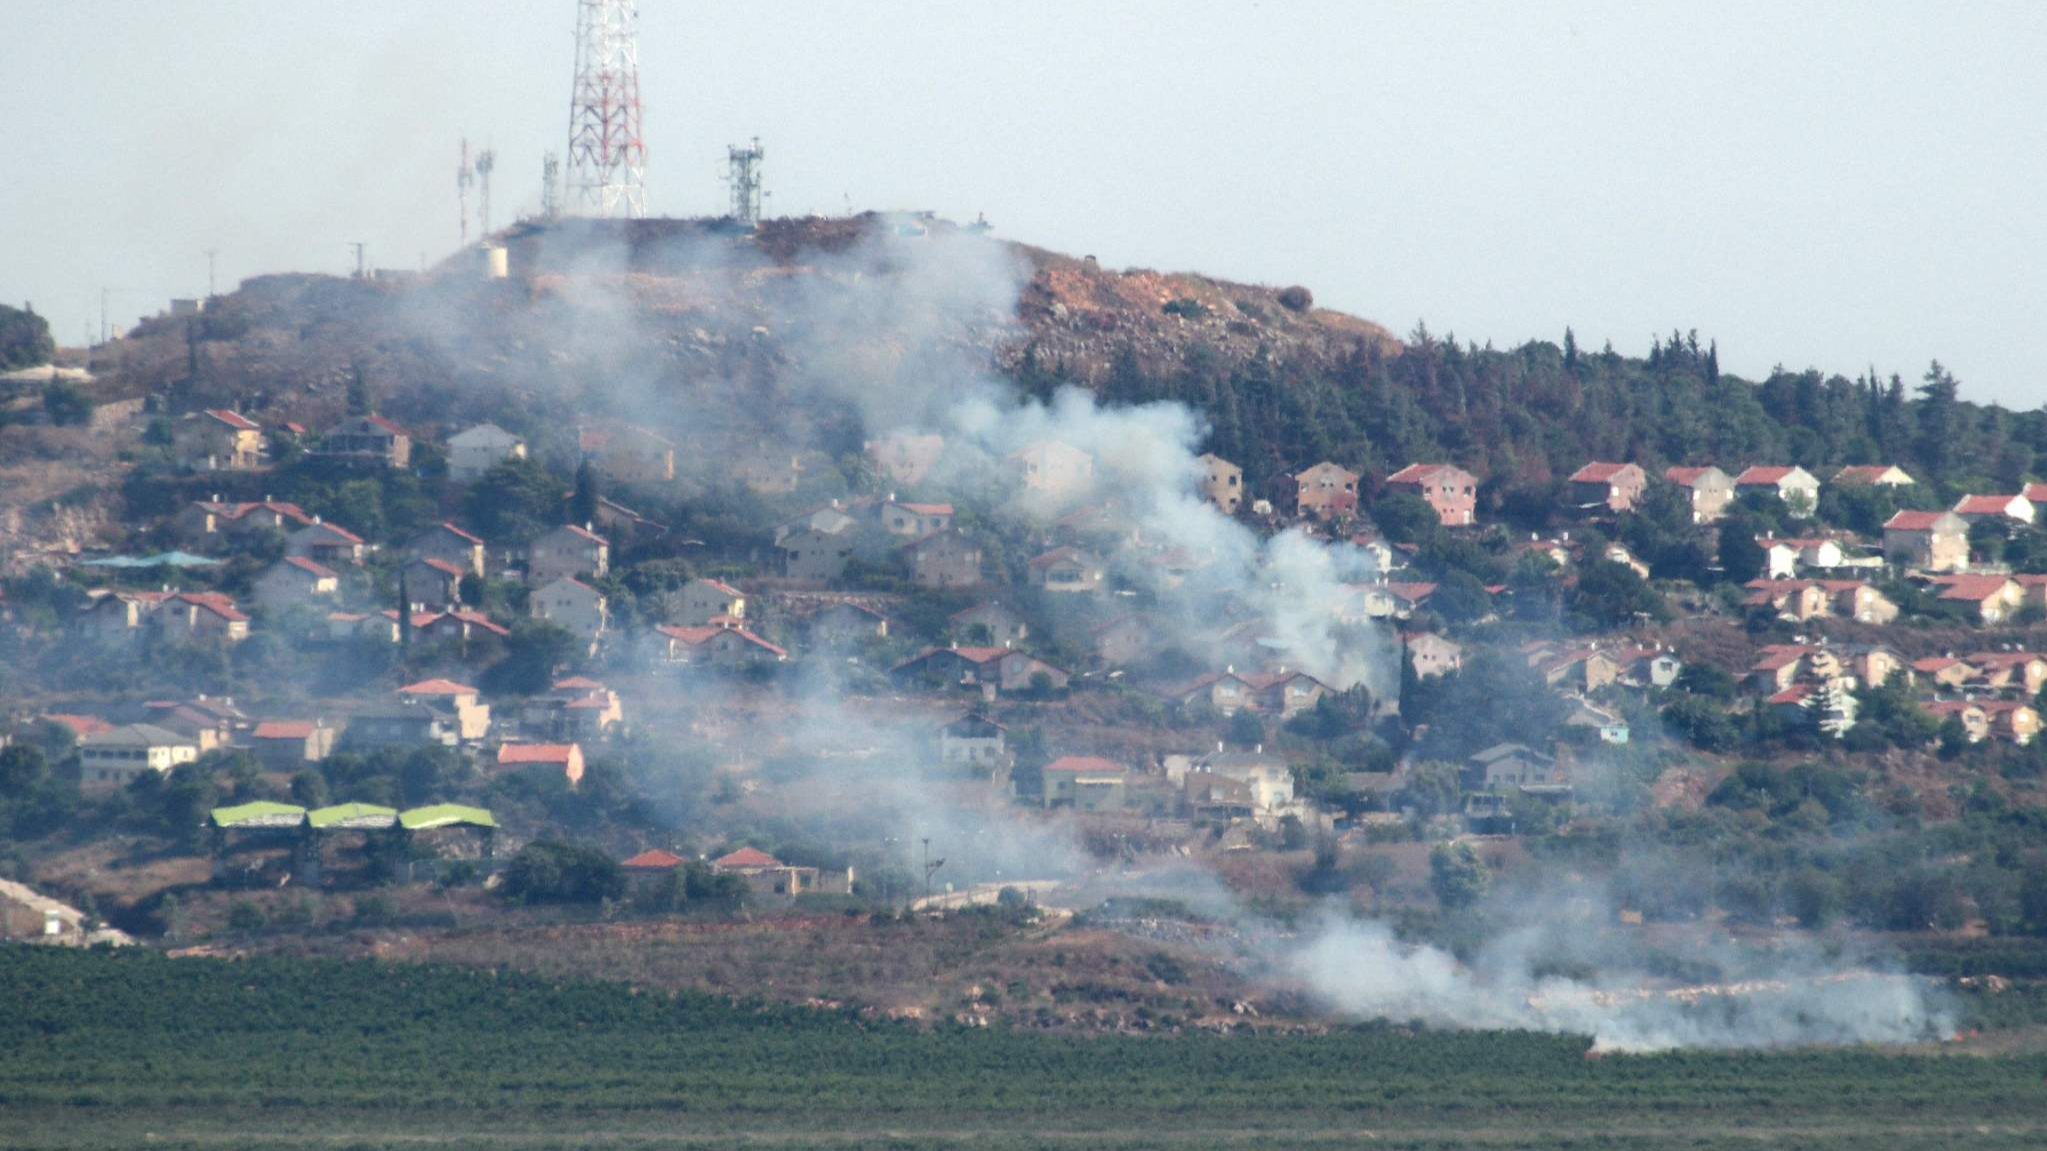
(766, 876)
(991, 670)
(1944, 671)
(702, 600)
(1449, 489)
(2016, 509)
(628, 453)
(1989, 598)
(1876, 475)
(1707, 488)
(444, 541)
(296, 582)
(2013, 721)
(329, 545)
(1928, 541)
(461, 704)
(1615, 487)
(564, 757)
(903, 518)
(290, 744)
(370, 439)
(198, 617)
(217, 440)
(717, 645)
(1798, 488)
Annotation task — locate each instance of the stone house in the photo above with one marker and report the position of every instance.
(816, 555)
(431, 583)
(1085, 783)
(1432, 655)
(973, 739)
(844, 623)
(704, 600)
(1876, 475)
(993, 670)
(2013, 509)
(460, 704)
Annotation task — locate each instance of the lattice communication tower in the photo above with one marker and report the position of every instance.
(607, 159)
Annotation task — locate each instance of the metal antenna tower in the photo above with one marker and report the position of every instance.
(362, 268)
(485, 161)
(744, 175)
(465, 175)
(550, 187)
(607, 160)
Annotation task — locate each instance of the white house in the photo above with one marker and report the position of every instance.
(703, 600)
(474, 451)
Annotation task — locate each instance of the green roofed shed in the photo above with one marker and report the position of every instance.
(261, 813)
(353, 817)
(446, 815)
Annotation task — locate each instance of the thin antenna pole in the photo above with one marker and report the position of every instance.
(361, 264)
(210, 254)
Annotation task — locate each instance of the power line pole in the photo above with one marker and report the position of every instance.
(210, 254)
(931, 867)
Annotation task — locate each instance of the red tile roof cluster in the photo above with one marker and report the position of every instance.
(746, 857)
(1685, 476)
(653, 859)
(284, 729)
(1421, 473)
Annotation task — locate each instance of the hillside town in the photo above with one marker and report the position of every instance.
(516, 651)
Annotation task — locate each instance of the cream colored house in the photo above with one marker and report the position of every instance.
(1222, 482)
(567, 551)
(113, 759)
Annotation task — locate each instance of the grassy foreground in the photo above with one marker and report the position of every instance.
(135, 1049)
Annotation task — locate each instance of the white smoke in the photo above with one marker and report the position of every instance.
(1794, 997)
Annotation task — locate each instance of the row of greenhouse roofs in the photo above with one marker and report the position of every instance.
(348, 817)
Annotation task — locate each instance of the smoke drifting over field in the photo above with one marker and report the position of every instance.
(1790, 996)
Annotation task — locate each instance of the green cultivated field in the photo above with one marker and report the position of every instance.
(131, 1049)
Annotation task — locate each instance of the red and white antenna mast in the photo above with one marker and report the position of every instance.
(607, 160)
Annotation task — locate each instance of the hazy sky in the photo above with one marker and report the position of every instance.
(1812, 185)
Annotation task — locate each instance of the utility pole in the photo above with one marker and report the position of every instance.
(485, 161)
(361, 265)
(210, 254)
(550, 186)
(465, 175)
(931, 867)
